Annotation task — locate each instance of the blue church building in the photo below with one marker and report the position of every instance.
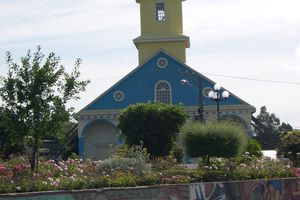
(158, 78)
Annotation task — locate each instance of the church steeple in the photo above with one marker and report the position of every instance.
(161, 28)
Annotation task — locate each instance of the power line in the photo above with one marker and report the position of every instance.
(253, 79)
(220, 75)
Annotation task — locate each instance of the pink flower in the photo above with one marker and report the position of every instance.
(297, 172)
(19, 167)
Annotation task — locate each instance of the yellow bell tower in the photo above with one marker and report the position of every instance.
(161, 28)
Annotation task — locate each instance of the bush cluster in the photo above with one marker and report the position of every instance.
(219, 139)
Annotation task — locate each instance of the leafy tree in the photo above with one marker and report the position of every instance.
(290, 146)
(35, 93)
(7, 147)
(155, 124)
(218, 139)
(269, 133)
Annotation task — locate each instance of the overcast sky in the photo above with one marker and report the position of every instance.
(254, 39)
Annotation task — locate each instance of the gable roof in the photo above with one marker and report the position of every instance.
(184, 66)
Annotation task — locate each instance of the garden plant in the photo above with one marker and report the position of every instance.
(132, 167)
(218, 139)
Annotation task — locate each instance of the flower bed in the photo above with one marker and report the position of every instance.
(15, 175)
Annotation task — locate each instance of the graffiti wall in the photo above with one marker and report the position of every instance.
(279, 189)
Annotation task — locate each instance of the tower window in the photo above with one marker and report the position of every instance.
(160, 12)
(163, 92)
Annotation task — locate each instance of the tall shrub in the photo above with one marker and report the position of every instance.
(218, 139)
(155, 124)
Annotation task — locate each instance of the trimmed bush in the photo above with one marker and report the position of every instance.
(218, 139)
(155, 124)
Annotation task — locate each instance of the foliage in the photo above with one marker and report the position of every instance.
(291, 146)
(7, 146)
(254, 148)
(123, 179)
(133, 159)
(136, 151)
(71, 174)
(256, 169)
(269, 133)
(35, 93)
(177, 152)
(155, 124)
(164, 163)
(219, 139)
(125, 164)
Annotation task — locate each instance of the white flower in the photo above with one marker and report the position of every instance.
(18, 188)
(55, 184)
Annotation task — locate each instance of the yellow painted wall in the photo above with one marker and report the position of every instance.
(173, 23)
(175, 49)
(167, 34)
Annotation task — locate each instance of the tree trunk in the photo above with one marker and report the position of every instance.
(32, 159)
(207, 160)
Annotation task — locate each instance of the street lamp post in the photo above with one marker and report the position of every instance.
(200, 98)
(216, 96)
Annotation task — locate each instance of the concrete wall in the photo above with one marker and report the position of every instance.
(277, 189)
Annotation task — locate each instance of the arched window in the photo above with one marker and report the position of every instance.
(163, 92)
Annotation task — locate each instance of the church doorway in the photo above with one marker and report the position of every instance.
(100, 139)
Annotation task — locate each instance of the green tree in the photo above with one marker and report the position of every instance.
(218, 139)
(7, 147)
(155, 124)
(290, 146)
(35, 93)
(269, 133)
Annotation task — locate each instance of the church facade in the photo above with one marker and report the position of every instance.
(158, 78)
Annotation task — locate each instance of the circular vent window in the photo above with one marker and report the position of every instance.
(119, 96)
(206, 91)
(162, 62)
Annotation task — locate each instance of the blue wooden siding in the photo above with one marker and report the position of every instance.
(139, 85)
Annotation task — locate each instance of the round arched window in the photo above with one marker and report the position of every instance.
(163, 92)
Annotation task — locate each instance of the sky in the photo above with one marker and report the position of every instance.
(236, 43)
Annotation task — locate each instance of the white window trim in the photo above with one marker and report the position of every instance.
(155, 91)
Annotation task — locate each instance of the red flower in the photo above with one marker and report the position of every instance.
(19, 167)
